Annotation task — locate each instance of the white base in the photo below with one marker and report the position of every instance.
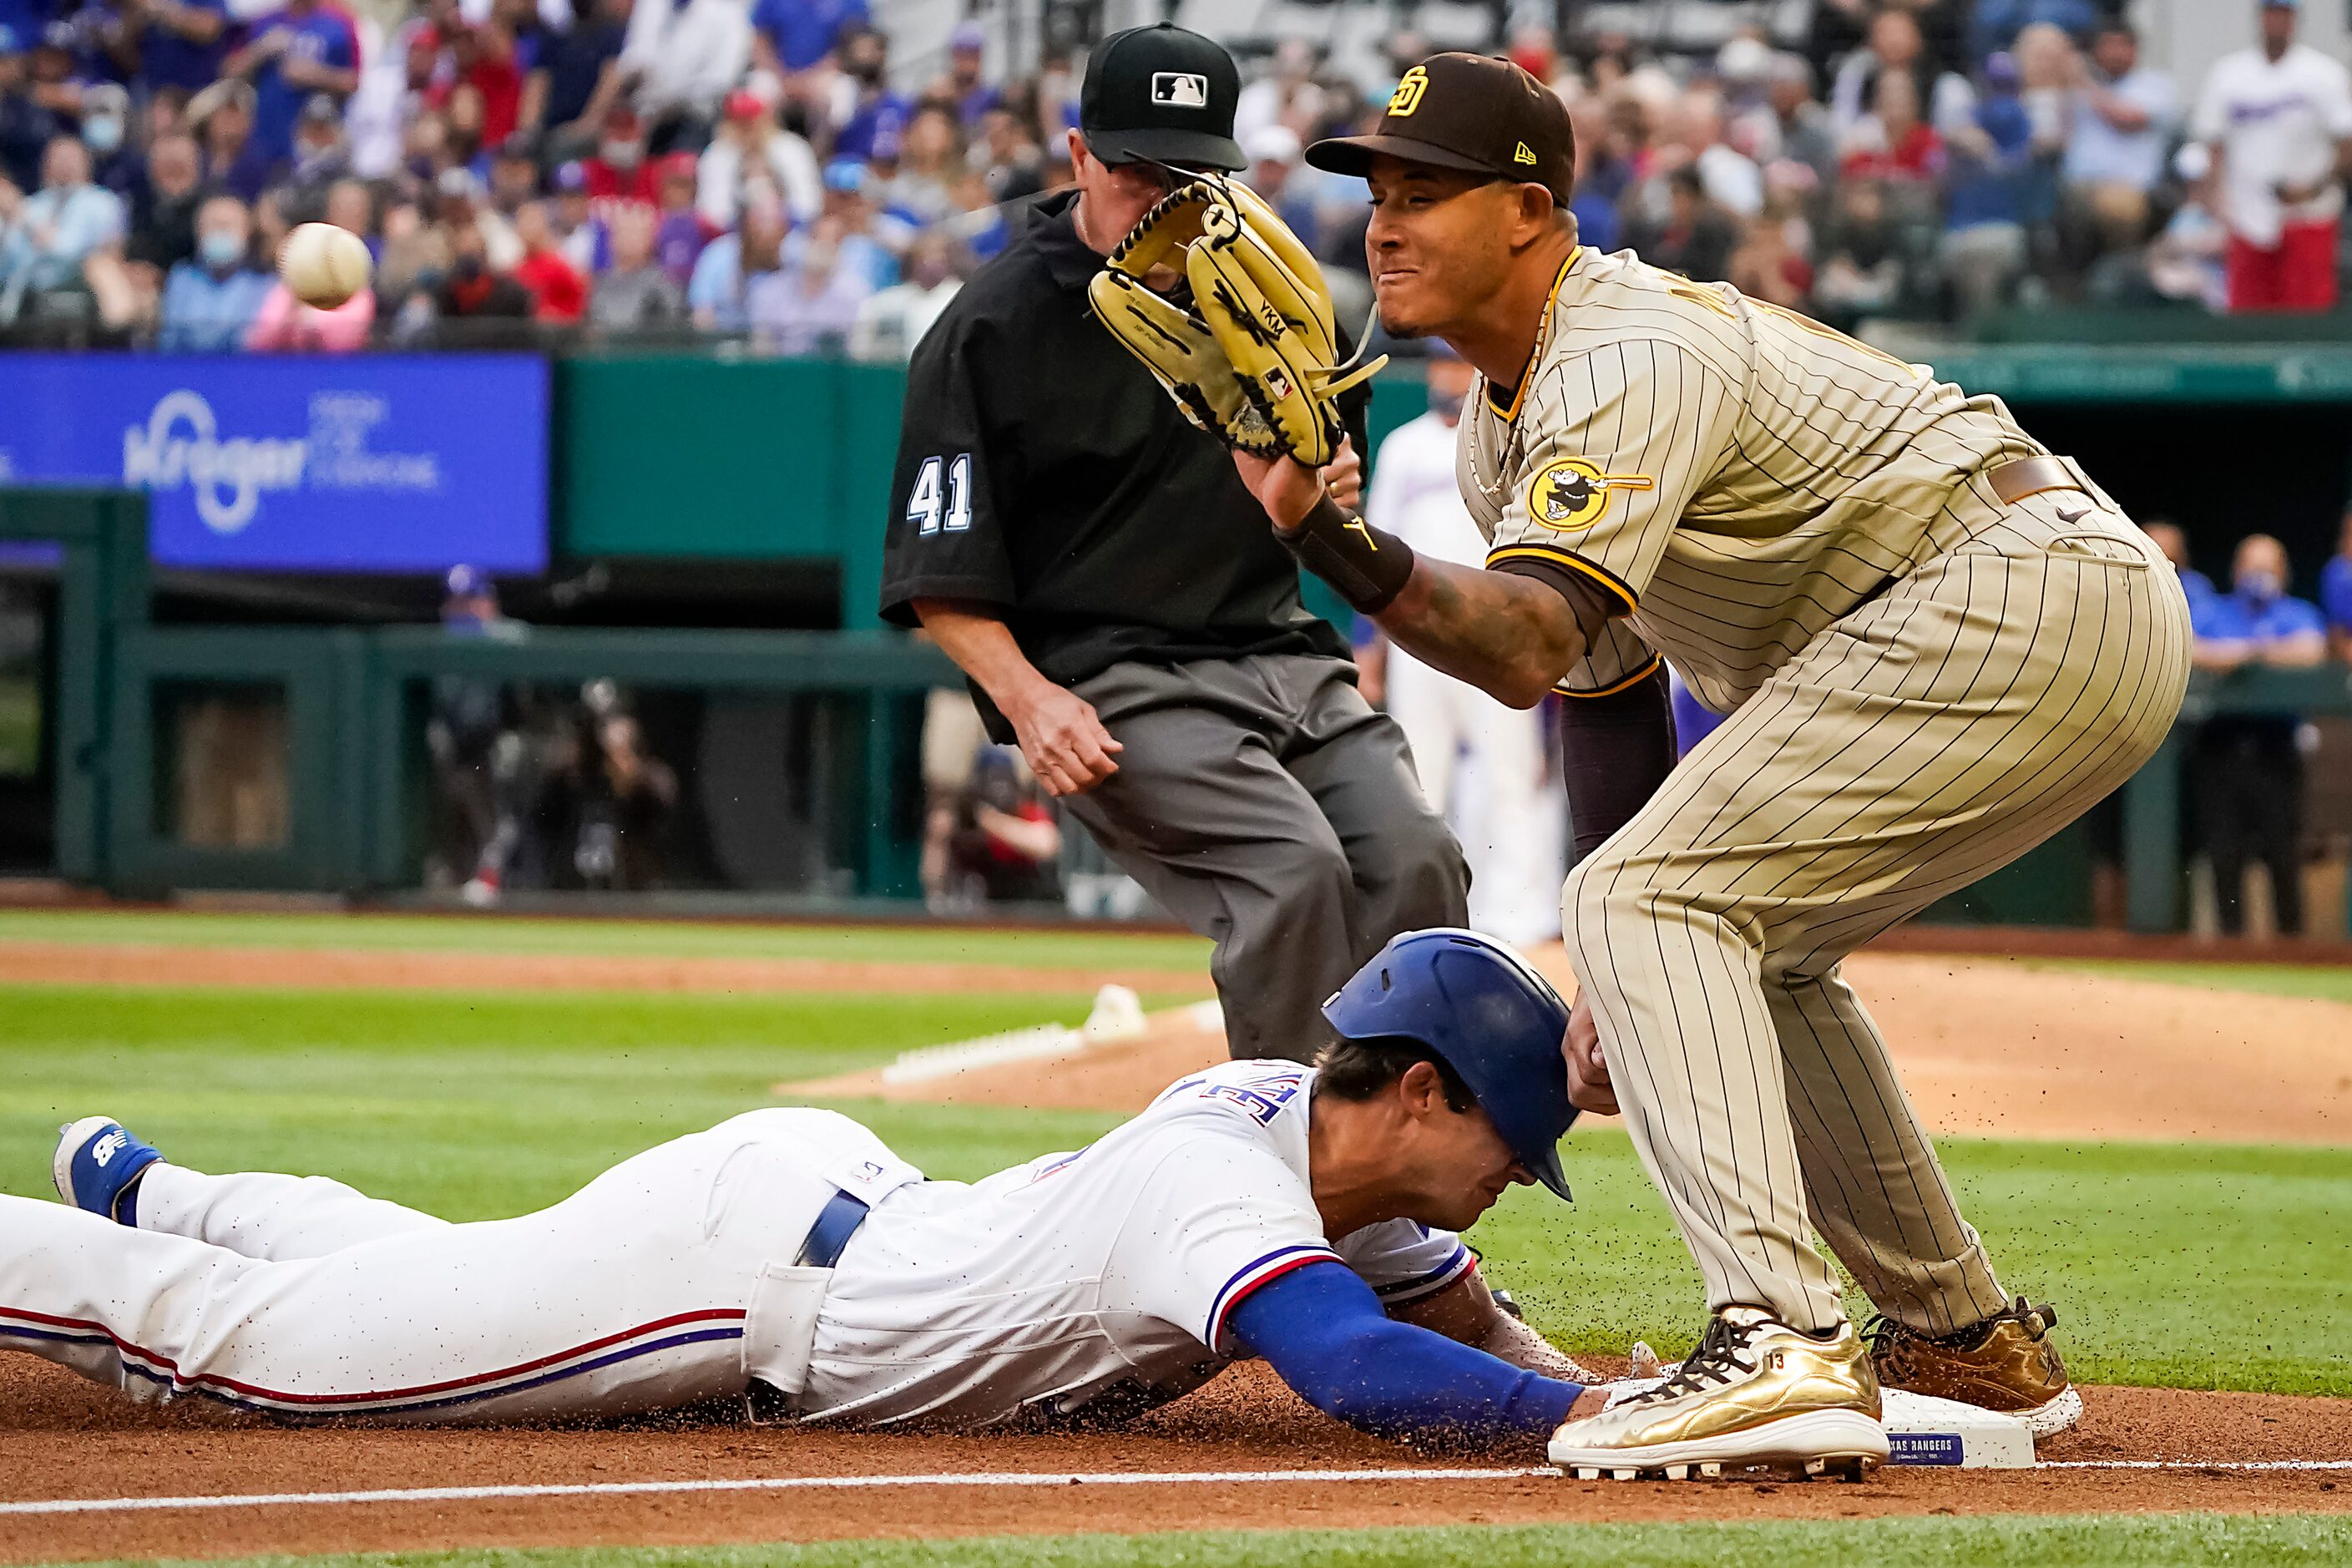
(1924, 1431)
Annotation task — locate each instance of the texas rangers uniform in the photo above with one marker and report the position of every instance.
(1101, 1279)
(1512, 842)
(1938, 643)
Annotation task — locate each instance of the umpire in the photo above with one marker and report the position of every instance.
(1094, 566)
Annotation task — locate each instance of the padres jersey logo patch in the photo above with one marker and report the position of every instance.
(1409, 89)
(1571, 493)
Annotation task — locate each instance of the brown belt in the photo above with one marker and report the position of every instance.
(2023, 476)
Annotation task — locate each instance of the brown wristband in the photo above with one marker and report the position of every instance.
(1368, 567)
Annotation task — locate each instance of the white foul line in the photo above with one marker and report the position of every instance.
(761, 1484)
(966, 1479)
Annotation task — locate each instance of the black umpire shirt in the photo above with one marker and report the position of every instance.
(1044, 476)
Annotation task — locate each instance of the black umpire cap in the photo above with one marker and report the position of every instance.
(1471, 112)
(1160, 95)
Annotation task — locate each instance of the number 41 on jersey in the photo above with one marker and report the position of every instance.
(933, 507)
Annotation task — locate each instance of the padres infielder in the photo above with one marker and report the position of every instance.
(1304, 1213)
(1938, 644)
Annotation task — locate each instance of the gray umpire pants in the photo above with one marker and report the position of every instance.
(1267, 806)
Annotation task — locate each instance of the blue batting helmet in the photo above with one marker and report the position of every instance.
(1486, 1012)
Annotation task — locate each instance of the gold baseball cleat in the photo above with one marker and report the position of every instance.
(1756, 1392)
(2006, 1364)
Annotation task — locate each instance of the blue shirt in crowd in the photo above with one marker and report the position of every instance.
(167, 59)
(324, 38)
(2336, 591)
(205, 312)
(2234, 617)
(804, 31)
(1991, 189)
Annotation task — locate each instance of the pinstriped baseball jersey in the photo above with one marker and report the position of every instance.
(1734, 476)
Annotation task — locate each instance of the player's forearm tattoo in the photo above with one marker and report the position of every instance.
(1511, 637)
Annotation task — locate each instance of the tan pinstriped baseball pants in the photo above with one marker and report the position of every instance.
(1934, 733)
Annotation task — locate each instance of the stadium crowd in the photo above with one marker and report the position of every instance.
(758, 168)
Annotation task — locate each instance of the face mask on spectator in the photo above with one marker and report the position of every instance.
(1447, 406)
(102, 135)
(221, 250)
(466, 269)
(2259, 585)
(623, 154)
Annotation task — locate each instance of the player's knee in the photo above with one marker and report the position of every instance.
(1599, 899)
(1420, 865)
(1310, 876)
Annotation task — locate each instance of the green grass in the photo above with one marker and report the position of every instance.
(2180, 1265)
(931, 943)
(2063, 1541)
(2331, 985)
(467, 1105)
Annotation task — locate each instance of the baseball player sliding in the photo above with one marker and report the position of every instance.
(1938, 643)
(1306, 1212)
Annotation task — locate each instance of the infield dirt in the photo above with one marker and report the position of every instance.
(60, 1438)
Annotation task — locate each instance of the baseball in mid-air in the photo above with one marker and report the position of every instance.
(323, 264)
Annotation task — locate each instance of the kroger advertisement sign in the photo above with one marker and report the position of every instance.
(410, 464)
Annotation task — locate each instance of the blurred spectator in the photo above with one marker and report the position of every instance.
(162, 209)
(105, 130)
(750, 144)
(1985, 202)
(210, 302)
(1275, 173)
(235, 159)
(1862, 271)
(1697, 236)
(810, 305)
(1773, 261)
(995, 842)
(1800, 129)
(635, 293)
(2335, 593)
(475, 296)
(2248, 768)
(2278, 121)
(964, 86)
(579, 79)
(792, 37)
(1285, 96)
(681, 57)
(618, 171)
(2188, 261)
(1008, 156)
(288, 56)
(2123, 119)
(479, 759)
(679, 231)
(177, 43)
(716, 295)
(1892, 144)
(574, 219)
(2197, 587)
(927, 165)
(514, 174)
(49, 240)
(559, 293)
(286, 325)
(867, 116)
(1896, 47)
(320, 159)
(849, 211)
(891, 322)
(621, 796)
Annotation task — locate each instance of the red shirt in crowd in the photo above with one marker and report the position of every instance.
(607, 183)
(1918, 156)
(558, 292)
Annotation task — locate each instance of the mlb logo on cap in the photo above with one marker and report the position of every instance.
(1179, 89)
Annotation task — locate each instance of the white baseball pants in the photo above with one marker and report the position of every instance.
(665, 1281)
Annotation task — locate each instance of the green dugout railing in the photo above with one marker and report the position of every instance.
(350, 744)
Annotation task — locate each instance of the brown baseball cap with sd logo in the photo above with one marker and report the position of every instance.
(1471, 112)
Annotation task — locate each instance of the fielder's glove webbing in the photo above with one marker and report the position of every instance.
(1253, 359)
